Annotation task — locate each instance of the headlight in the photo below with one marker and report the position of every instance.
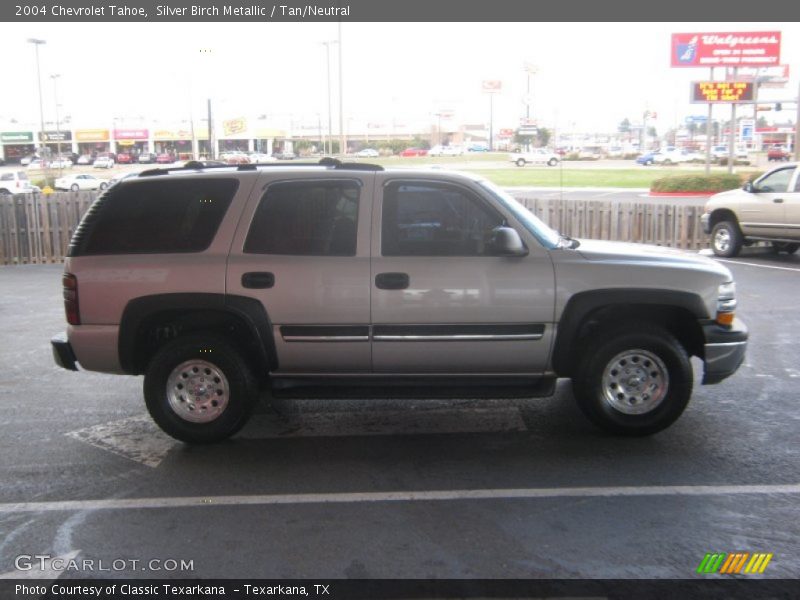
(726, 303)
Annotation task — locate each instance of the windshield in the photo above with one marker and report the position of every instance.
(546, 236)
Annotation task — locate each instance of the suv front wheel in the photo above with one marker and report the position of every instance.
(635, 381)
(199, 389)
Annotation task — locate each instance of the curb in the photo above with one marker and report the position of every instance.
(683, 194)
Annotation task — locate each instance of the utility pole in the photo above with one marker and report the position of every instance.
(708, 130)
(37, 43)
(58, 123)
(342, 136)
(797, 129)
(330, 114)
(732, 132)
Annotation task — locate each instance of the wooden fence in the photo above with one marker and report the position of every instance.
(36, 229)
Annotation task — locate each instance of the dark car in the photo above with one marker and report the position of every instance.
(147, 157)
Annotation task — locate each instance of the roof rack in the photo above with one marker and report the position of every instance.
(327, 161)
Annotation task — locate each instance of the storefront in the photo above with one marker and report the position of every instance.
(177, 142)
(235, 136)
(58, 142)
(265, 139)
(93, 141)
(131, 141)
(16, 145)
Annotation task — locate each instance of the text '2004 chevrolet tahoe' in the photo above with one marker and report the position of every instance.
(219, 283)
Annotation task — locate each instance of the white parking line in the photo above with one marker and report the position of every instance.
(401, 496)
(738, 262)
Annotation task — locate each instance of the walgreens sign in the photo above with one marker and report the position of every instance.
(741, 48)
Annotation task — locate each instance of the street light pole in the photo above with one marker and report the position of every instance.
(330, 115)
(343, 140)
(55, 77)
(37, 42)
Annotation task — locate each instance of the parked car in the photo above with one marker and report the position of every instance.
(285, 155)
(103, 162)
(146, 157)
(414, 152)
(720, 154)
(85, 159)
(80, 182)
(124, 158)
(765, 209)
(779, 153)
(456, 279)
(260, 157)
(26, 160)
(165, 158)
(539, 156)
(477, 148)
(646, 159)
(15, 182)
(367, 153)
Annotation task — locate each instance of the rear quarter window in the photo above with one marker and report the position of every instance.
(148, 217)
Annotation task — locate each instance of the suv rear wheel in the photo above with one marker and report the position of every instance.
(199, 389)
(636, 381)
(726, 239)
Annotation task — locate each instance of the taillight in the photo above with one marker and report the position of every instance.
(70, 284)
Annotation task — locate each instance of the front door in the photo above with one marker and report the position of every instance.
(763, 213)
(442, 300)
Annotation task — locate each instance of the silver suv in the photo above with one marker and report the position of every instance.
(218, 284)
(767, 209)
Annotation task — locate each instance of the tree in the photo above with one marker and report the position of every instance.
(762, 122)
(624, 126)
(543, 136)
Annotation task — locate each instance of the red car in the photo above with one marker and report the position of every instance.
(778, 153)
(165, 158)
(414, 152)
(124, 159)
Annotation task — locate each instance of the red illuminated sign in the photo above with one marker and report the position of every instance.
(722, 91)
(738, 48)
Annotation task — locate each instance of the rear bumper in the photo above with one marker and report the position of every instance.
(724, 350)
(63, 353)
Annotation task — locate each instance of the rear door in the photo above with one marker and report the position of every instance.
(302, 250)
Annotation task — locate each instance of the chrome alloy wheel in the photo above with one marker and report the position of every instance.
(197, 391)
(635, 382)
(722, 240)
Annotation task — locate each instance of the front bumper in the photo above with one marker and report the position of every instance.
(724, 350)
(63, 353)
(705, 222)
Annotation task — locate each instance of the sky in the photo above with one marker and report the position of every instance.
(589, 76)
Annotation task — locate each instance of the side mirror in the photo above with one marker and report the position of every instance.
(506, 242)
(748, 187)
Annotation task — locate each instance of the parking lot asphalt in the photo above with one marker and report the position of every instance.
(522, 488)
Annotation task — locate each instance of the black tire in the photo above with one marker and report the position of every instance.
(520, 162)
(200, 356)
(103, 186)
(788, 247)
(75, 187)
(726, 239)
(643, 347)
(552, 162)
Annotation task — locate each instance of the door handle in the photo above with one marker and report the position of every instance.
(392, 281)
(778, 200)
(257, 280)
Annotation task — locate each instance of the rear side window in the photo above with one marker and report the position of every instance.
(309, 218)
(147, 217)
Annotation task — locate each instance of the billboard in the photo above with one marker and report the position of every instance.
(722, 91)
(740, 48)
(491, 86)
